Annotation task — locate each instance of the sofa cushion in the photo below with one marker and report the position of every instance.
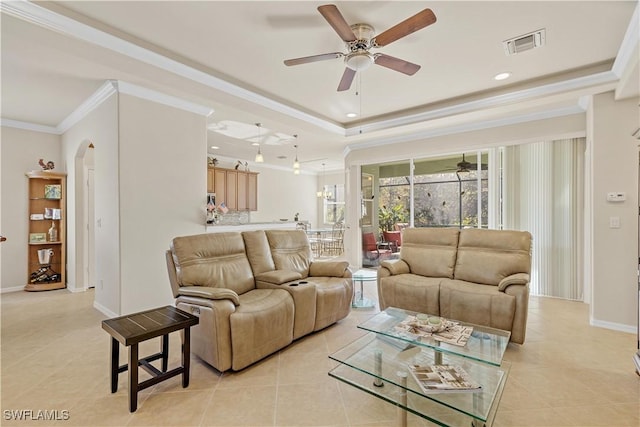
(430, 251)
(329, 268)
(476, 303)
(278, 277)
(411, 292)
(290, 250)
(488, 256)
(217, 260)
(209, 293)
(333, 299)
(258, 251)
(262, 324)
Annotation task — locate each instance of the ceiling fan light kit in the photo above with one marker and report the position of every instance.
(359, 40)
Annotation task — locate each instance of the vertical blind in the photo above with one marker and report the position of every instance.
(543, 191)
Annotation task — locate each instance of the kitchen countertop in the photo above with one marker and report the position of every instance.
(286, 225)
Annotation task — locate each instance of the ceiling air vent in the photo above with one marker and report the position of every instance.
(525, 42)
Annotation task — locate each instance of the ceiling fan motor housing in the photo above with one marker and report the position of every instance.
(359, 58)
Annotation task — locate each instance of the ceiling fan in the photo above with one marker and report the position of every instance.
(359, 40)
(464, 166)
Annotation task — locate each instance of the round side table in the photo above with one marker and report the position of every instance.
(358, 300)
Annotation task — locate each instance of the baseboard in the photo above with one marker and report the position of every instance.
(613, 326)
(13, 289)
(102, 309)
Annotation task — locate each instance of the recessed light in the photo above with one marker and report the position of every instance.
(502, 76)
(255, 144)
(215, 147)
(351, 115)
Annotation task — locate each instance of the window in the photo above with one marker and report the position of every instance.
(333, 206)
(441, 196)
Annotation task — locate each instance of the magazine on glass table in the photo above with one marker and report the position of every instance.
(447, 331)
(443, 379)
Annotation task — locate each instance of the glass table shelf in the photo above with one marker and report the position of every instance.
(357, 367)
(486, 345)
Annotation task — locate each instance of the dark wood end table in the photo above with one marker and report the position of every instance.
(132, 329)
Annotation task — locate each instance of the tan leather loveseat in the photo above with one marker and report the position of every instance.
(254, 292)
(472, 275)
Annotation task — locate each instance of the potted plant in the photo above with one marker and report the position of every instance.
(387, 219)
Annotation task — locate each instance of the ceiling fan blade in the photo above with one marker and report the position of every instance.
(313, 58)
(336, 20)
(406, 27)
(347, 79)
(396, 64)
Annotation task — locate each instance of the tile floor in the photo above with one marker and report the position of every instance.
(55, 356)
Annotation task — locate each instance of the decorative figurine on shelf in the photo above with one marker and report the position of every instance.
(46, 167)
(211, 210)
(238, 165)
(295, 217)
(53, 232)
(212, 161)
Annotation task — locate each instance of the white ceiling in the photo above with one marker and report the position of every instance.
(229, 56)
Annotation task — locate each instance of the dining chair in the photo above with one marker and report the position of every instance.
(333, 244)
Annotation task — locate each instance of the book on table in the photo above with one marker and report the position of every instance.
(443, 379)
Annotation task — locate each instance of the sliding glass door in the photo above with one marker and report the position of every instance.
(437, 192)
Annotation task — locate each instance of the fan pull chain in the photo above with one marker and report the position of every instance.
(359, 95)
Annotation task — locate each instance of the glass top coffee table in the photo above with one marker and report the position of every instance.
(363, 275)
(378, 364)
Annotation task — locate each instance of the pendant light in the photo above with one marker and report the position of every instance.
(296, 163)
(323, 193)
(259, 158)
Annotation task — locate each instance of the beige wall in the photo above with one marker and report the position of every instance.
(281, 194)
(615, 251)
(99, 127)
(163, 187)
(19, 153)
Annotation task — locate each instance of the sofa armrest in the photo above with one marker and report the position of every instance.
(395, 266)
(329, 269)
(514, 279)
(278, 277)
(209, 293)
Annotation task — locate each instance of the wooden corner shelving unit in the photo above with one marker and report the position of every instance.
(47, 207)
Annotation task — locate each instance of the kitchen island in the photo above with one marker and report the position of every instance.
(276, 225)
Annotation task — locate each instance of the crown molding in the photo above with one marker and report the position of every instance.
(98, 97)
(29, 126)
(467, 127)
(629, 46)
(103, 93)
(594, 80)
(46, 18)
(161, 98)
(233, 160)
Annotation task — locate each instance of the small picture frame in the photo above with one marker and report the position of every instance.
(37, 237)
(48, 213)
(52, 191)
(56, 214)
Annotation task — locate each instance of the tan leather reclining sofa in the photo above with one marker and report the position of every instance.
(473, 275)
(254, 292)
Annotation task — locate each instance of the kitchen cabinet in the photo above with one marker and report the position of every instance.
(237, 189)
